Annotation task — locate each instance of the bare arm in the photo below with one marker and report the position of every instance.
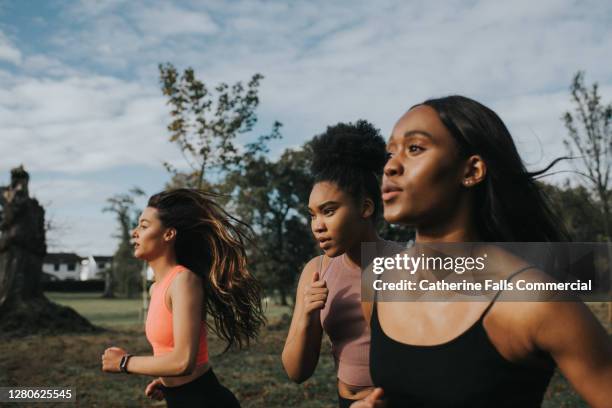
(303, 345)
(186, 293)
(580, 346)
(366, 308)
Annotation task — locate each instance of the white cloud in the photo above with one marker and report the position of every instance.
(81, 124)
(90, 101)
(165, 19)
(8, 51)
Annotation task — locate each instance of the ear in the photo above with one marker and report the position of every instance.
(367, 208)
(475, 171)
(169, 234)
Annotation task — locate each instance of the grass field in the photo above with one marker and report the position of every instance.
(255, 375)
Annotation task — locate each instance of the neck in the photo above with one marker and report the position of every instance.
(353, 254)
(460, 227)
(162, 265)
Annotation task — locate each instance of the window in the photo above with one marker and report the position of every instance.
(71, 266)
(56, 267)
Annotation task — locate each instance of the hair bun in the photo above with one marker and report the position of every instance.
(357, 145)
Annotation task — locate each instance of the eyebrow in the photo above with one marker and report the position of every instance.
(420, 132)
(326, 203)
(411, 133)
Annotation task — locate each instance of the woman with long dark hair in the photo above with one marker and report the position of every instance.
(197, 252)
(344, 205)
(455, 174)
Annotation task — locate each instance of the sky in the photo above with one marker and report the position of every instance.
(81, 106)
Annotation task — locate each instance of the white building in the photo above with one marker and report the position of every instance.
(63, 266)
(95, 266)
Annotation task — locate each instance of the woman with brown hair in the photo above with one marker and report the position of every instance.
(197, 252)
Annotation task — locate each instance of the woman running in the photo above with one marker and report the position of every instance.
(344, 205)
(197, 252)
(455, 174)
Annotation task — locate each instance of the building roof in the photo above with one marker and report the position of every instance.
(62, 257)
(102, 258)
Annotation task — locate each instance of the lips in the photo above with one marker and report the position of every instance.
(390, 191)
(324, 242)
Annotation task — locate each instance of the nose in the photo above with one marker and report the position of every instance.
(393, 167)
(318, 225)
(133, 234)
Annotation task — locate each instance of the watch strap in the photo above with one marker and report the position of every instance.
(124, 362)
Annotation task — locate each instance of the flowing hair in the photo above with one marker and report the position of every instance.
(211, 243)
(510, 206)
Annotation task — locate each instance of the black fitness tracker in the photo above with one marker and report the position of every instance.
(124, 362)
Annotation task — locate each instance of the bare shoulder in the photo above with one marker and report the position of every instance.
(310, 268)
(186, 280)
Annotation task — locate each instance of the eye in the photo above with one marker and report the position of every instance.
(388, 156)
(329, 212)
(413, 148)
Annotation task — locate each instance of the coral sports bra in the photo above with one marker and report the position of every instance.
(158, 327)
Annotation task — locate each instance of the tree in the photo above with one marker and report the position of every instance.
(579, 211)
(24, 309)
(126, 268)
(591, 135)
(272, 196)
(206, 123)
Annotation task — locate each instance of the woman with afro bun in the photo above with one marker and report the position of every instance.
(345, 204)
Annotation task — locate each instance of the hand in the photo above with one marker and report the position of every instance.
(315, 296)
(374, 400)
(111, 359)
(154, 391)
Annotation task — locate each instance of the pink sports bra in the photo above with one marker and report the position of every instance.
(343, 321)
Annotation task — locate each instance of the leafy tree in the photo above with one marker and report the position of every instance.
(205, 123)
(590, 136)
(578, 209)
(126, 268)
(272, 197)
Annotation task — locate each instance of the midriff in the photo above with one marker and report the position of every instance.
(184, 379)
(353, 392)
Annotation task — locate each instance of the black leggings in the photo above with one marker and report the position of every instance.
(203, 392)
(344, 402)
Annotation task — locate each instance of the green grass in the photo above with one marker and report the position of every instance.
(255, 375)
(100, 311)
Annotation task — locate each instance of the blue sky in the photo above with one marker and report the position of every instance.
(80, 104)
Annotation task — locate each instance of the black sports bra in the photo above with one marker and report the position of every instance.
(466, 371)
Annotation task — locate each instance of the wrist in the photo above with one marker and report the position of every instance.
(123, 364)
(307, 321)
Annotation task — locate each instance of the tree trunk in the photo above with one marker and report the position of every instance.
(604, 198)
(283, 296)
(108, 284)
(23, 307)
